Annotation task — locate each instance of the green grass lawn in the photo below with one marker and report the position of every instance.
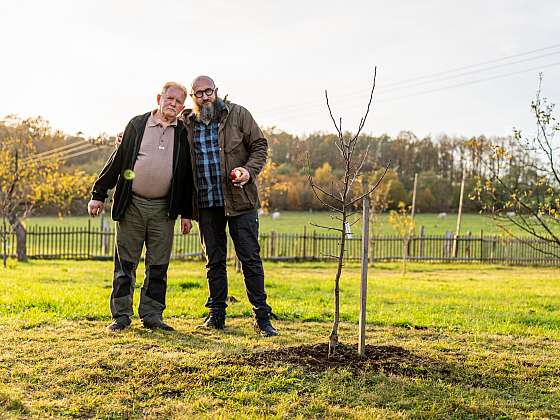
(294, 221)
(458, 342)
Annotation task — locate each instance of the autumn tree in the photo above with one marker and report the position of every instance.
(267, 181)
(525, 193)
(401, 220)
(28, 182)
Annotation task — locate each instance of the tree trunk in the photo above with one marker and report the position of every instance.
(21, 237)
(333, 338)
(4, 242)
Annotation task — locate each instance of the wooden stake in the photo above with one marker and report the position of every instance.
(363, 283)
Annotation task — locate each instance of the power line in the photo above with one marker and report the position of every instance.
(53, 152)
(56, 149)
(83, 152)
(470, 82)
(64, 150)
(67, 154)
(484, 63)
(416, 81)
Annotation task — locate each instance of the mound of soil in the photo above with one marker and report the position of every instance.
(389, 359)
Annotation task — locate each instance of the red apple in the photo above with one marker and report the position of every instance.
(234, 174)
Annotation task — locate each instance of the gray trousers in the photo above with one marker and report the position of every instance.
(145, 223)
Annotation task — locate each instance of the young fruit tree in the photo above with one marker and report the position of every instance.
(343, 196)
(522, 187)
(403, 223)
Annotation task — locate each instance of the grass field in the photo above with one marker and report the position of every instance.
(295, 222)
(445, 341)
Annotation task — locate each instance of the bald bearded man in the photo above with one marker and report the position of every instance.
(228, 151)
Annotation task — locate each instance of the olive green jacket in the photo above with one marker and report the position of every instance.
(241, 143)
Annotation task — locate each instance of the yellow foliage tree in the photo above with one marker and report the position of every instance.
(268, 182)
(27, 183)
(404, 224)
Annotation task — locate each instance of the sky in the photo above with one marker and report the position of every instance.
(443, 66)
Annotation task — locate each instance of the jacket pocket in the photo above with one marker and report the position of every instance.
(241, 199)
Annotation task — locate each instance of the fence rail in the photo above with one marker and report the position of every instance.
(94, 243)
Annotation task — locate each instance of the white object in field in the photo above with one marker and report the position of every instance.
(510, 214)
(260, 212)
(442, 215)
(347, 230)
(275, 215)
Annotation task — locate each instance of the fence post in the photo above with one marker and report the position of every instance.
(314, 245)
(89, 238)
(4, 242)
(468, 246)
(304, 242)
(421, 251)
(481, 245)
(446, 244)
(272, 244)
(455, 246)
(104, 234)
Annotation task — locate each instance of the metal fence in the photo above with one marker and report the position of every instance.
(94, 243)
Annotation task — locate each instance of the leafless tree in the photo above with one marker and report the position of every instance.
(342, 198)
(531, 205)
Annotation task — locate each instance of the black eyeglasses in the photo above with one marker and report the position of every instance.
(200, 93)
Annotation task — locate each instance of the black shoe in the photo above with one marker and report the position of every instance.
(157, 324)
(216, 320)
(118, 325)
(263, 326)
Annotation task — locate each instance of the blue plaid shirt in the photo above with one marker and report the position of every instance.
(207, 158)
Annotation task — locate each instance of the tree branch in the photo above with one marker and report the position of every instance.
(325, 227)
(374, 187)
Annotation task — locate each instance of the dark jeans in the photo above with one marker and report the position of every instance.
(244, 231)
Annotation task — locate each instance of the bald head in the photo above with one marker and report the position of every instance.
(202, 81)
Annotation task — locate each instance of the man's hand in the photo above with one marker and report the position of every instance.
(118, 139)
(95, 207)
(241, 179)
(186, 226)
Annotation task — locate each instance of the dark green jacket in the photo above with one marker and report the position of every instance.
(124, 157)
(242, 143)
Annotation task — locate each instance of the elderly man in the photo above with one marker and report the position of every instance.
(228, 150)
(152, 173)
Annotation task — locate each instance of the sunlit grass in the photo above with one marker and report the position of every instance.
(493, 332)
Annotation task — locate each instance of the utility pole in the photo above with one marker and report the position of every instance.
(414, 195)
(459, 212)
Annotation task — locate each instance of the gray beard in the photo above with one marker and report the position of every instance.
(205, 113)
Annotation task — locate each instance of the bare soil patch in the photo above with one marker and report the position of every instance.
(314, 357)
